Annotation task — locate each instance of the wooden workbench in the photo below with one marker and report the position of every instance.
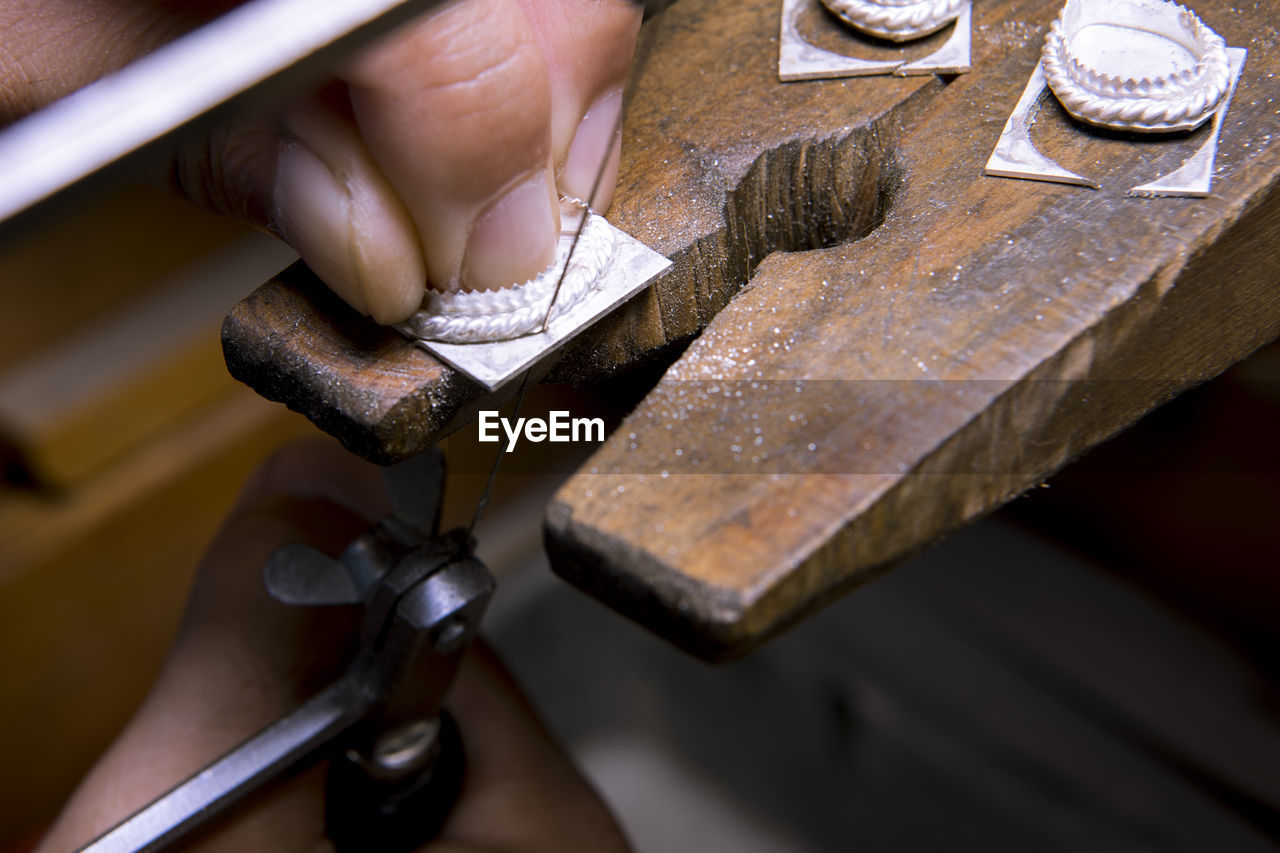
(885, 343)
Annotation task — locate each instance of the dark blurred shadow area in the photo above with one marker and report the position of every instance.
(1186, 505)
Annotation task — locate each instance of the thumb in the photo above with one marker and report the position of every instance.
(308, 178)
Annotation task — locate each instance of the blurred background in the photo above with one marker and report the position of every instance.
(1091, 669)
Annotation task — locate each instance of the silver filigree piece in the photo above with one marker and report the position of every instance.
(496, 315)
(1150, 66)
(798, 59)
(1016, 156)
(896, 20)
(628, 268)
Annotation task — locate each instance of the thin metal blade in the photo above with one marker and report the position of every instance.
(416, 488)
(262, 49)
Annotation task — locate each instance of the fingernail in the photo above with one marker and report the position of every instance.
(311, 215)
(351, 233)
(592, 144)
(514, 240)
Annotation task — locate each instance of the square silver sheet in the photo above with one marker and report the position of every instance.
(631, 268)
(800, 60)
(1016, 156)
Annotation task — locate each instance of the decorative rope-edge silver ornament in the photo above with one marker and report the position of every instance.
(497, 315)
(1114, 96)
(896, 20)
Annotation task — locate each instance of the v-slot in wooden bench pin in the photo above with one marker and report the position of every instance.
(886, 344)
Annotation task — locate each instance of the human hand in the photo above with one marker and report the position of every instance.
(435, 156)
(241, 660)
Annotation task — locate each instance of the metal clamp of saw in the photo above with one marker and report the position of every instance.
(395, 756)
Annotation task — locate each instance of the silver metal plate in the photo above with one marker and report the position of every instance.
(631, 268)
(798, 59)
(1016, 156)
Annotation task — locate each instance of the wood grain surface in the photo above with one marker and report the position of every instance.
(888, 343)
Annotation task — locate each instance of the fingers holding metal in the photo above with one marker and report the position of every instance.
(471, 117)
(438, 164)
(456, 111)
(337, 208)
(476, 116)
